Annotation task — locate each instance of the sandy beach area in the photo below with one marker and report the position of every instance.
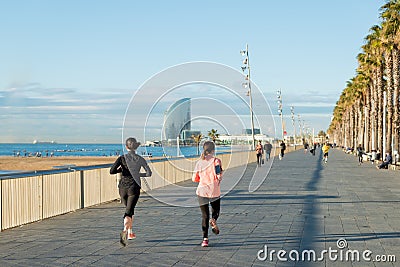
(47, 163)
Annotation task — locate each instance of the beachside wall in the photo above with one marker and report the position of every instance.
(32, 197)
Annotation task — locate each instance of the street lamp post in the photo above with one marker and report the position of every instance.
(300, 129)
(294, 127)
(280, 110)
(246, 63)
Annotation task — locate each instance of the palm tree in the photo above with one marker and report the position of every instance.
(197, 139)
(389, 95)
(366, 69)
(358, 114)
(390, 14)
(213, 135)
(390, 27)
(374, 50)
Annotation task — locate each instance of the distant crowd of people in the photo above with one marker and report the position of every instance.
(37, 154)
(374, 156)
(267, 147)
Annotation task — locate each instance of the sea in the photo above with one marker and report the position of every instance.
(94, 150)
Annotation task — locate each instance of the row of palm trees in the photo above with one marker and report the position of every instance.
(212, 134)
(367, 111)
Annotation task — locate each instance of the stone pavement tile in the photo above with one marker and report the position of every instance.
(385, 264)
(165, 263)
(330, 263)
(374, 245)
(184, 264)
(207, 261)
(120, 260)
(48, 261)
(391, 242)
(196, 254)
(263, 264)
(65, 261)
(362, 263)
(14, 263)
(85, 261)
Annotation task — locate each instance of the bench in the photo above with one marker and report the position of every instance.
(394, 166)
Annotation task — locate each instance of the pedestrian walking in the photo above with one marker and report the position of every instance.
(208, 173)
(259, 151)
(378, 154)
(283, 148)
(314, 148)
(360, 153)
(305, 147)
(130, 165)
(267, 149)
(373, 156)
(325, 150)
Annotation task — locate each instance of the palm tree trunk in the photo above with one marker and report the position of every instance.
(353, 126)
(358, 125)
(367, 118)
(344, 128)
(380, 107)
(389, 92)
(396, 85)
(342, 132)
(374, 107)
(348, 126)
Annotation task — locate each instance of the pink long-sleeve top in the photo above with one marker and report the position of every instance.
(209, 185)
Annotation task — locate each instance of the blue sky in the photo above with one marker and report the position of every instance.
(68, 69)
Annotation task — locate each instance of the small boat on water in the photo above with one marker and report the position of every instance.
(43, 142)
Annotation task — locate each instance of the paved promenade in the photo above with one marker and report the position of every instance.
(304, 204)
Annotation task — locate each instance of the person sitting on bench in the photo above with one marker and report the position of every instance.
(388, 160)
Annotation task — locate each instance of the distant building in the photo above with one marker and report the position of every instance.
(177, 119)
(248, 131)
(187, 134)
(243, 139)
(153, 143)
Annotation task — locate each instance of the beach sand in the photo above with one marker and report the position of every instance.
(36, 164)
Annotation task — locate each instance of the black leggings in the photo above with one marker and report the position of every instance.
(205, 212)
(383, 165)
(129, 197)
(259, 158)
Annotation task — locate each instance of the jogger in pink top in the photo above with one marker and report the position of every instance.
(208, 173)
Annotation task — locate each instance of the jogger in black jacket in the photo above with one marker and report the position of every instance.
(129, 165)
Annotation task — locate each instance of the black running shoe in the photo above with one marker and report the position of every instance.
(123, 236)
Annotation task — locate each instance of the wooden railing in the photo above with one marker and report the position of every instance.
(33, 196)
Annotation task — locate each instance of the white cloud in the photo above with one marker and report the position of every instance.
(65, 108)
(313, 104)
(61, 113)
